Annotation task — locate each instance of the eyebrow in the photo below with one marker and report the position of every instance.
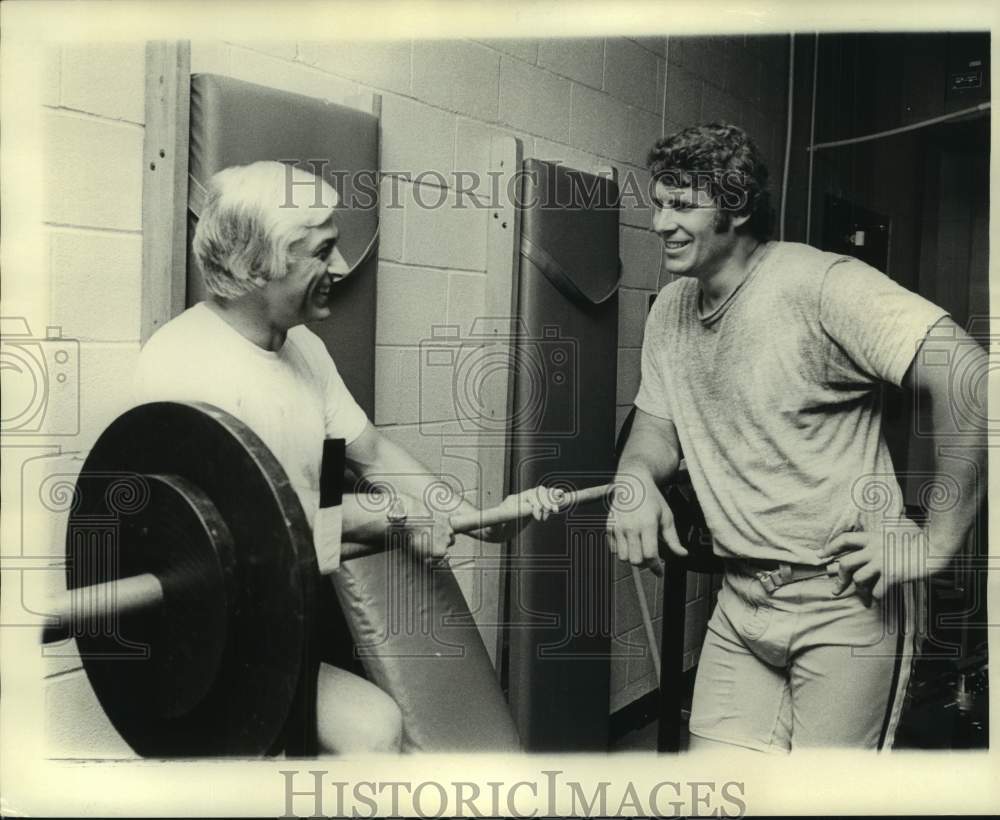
(327, 224)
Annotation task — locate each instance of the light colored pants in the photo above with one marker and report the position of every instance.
(800, 667)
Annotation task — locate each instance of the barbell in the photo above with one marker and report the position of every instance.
(191, 581)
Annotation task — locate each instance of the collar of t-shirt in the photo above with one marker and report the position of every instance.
(756, 258)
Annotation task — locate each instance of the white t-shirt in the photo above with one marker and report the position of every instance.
(293, 398)
(776, 397)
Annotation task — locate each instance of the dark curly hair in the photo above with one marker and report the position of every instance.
(724, 159)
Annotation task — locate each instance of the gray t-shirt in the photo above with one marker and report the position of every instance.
(775, 397)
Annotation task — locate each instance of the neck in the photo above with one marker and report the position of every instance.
(248, 317)
(718, 282)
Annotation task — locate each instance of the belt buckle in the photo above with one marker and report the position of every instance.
(769, 580)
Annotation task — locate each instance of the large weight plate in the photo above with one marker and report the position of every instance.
(221, 673)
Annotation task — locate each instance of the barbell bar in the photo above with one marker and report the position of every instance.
(143, 591)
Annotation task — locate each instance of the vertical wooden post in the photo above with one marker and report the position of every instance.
(502, 268)
(164, 183)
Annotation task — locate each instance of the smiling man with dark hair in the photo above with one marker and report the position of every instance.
(762, 364)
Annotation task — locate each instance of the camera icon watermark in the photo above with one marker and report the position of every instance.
(969, 367)
(500, 378)
(41, 381)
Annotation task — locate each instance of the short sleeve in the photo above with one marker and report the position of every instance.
(344, 417)
(877, 322)
(652, 395)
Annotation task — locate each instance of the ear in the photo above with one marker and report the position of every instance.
(741, 219)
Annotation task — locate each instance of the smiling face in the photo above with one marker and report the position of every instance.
(698, 239)
(315, 265)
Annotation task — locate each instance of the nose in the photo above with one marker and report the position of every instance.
(337, 266)
(664, 220)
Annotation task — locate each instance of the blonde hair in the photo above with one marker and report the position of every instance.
(252, 214)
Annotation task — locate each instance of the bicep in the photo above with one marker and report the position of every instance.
(654, 441)
(949, 371)
(362, 454)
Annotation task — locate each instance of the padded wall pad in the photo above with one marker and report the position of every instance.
(449, 695)
(560, 605)
(235, 123)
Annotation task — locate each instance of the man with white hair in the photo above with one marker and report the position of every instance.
(266, 244)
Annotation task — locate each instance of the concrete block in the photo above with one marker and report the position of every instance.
(630, 74)
(108, 80)
(472, 159)
(640, 665)
(79, 190)
(626, 606)
(568, 156)
(96, 284)
(628, 375)
(684, 91)
(422, 444)
(439, 233)
(580, 59)
(379, 64)
(619, 673)
(757, 125)
(427, 390)
(273, 72)
(774, 92)
(210, 57)
(466, 300)
(644, 129)
(720, 106)
(390, 240)
(598, 123)
(523, 49)
(405, 391)
(744, 77)
(695, 620)
(635, 193)
(640, 252)
(106, 372)
(772, 49)
(75, 723)
(51, 79)
(458, 76)
(534, 100)
(416, 138)
(632, 312)
(703, 56)
(693, 586)
(410, 302)
(387, 385)
(654, 45)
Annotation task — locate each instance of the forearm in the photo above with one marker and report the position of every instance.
(364, 518)
(960, 469)
(391, 465)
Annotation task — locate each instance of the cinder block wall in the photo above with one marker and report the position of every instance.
(588, 103)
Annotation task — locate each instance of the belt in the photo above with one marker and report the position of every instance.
(775, 574)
